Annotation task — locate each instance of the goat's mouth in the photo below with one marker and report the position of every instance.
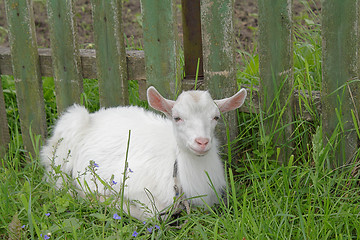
(199, 152)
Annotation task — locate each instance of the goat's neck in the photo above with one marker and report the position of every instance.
(189, 159)
(192, 168)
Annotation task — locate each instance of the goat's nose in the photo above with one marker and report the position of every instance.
(202, 141)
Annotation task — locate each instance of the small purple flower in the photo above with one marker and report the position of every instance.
(150, 229)
(116, 216)
(157, 226)
(23, 226)
(95, 164)
(45, 236)
(47, 214)
(113, 182)
(131, 170)
(144, 222)
(135, 233)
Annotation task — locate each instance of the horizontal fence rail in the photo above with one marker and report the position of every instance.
(159, 63)
(136, 71)
(134, 58)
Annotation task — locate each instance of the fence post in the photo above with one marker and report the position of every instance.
(219, 55)
(161, 46)
(340, 85)
(110, 52)
(276, 73)
(65, 53)
(4, 129)
(26, 68)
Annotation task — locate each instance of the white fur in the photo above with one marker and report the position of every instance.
(155, 143)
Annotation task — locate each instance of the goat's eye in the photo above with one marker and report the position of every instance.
(177, 119)
(216, 118)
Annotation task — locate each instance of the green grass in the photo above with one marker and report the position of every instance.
(302, 199)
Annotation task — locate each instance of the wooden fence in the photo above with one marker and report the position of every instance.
(208, 36)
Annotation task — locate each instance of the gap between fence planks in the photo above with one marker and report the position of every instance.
(4, 130)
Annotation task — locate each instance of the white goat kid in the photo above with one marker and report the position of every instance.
(184, 140)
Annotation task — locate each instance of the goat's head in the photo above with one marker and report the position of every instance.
(194, 115)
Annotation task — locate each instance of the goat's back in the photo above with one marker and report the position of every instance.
(80, 137)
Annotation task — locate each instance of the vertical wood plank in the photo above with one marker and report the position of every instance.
(161, 46)
(110, 52)
(26, 68)
(276, 71)
(219, 55)
(4, 129)
(65, 53)
(340, 93)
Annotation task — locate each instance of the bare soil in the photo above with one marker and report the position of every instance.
(245, 22)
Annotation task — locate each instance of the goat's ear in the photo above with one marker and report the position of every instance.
(158, 102)
(231, 103)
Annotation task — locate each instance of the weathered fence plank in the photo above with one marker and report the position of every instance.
(276, 73)
(4, 129)
(340, 85)
(219, 55)
(161, 46)
(25, 62)
(65, 53)
(110, 51)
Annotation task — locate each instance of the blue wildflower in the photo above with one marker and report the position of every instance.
(45, 236)
(113, 182)
(23, 226)
(144, 222)
(157, 226)
(47, 214)
(135, 233)
(150, 229)
(95, 164)
(131, 170)
(116, 216)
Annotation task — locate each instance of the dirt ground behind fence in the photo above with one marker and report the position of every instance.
(245, 22)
